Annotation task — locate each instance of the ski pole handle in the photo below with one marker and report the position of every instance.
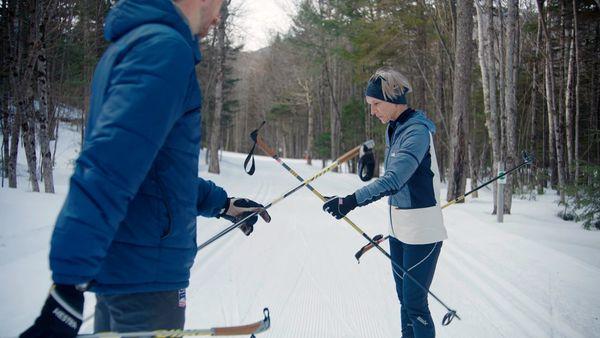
(262, 145)
(350, 154)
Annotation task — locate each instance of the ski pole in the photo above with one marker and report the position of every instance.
(527, 160)
(262, 145)
(249, 329)
(345, 157)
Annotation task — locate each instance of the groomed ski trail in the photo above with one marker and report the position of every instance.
(302, 266)
(532, 276)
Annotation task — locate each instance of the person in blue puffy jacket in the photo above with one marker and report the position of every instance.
(412, 181)
(127, 230)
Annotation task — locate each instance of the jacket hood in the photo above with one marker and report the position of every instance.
(127, 15)
(414, 117)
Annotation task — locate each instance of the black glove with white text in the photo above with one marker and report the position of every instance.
(61, 316)
(236, 209)
(339, 207)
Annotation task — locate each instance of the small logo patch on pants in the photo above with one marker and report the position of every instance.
(181, 302)
(423, 321)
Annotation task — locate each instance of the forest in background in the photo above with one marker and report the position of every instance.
(496, 76)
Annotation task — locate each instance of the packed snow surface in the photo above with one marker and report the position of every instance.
(532, 276)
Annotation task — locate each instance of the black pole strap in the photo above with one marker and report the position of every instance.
(254, 136)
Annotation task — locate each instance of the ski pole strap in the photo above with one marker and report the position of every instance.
(253, 135)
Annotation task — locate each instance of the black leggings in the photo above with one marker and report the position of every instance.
(419, 260)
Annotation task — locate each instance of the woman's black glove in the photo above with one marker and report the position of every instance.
(236, 209)
(61, 315)
(339, 207)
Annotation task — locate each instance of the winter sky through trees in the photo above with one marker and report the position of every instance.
(258, 21)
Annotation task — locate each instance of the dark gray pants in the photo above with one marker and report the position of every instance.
(140, 312)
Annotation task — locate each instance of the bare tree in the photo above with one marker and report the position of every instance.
(42, 15)
(461, 98)
(577, 86)
(554, 122)
(569, 108)
(27, 90)
(510, 98)
(215, 135)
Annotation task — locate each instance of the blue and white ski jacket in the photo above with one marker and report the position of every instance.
(129, 220)
(411, 180)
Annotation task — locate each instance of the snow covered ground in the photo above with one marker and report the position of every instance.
(532, 276)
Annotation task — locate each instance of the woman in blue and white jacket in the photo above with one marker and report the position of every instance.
(411, 180)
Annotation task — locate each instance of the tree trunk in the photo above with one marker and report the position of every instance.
(311, 130)
(335, 116)
(534, 137)
(482, 50)
(492, 119)
(28, 128)
(43, 113)
(7, 102)
(569, 110)
(27, 101)
(473, 167)
(510, 98)
(440, 99)
(461, 99)
(215, 135)
(15, 134)
(418, 99)
(556, 123)
(5, 135)
(14, 21)
(577, 102)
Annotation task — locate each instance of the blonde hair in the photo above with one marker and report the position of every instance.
(393, 83)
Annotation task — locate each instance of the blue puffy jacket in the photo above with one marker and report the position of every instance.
(129, 220)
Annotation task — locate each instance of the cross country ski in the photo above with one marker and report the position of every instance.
(241, 330)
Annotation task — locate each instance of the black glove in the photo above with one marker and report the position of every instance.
(236, 209)
(61, 315)
(339, 207)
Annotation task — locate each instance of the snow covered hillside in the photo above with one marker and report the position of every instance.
(532, 276)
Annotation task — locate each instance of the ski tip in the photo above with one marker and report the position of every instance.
(266, 323)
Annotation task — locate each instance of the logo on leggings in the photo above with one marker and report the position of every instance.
(181, 298)
(423, 321)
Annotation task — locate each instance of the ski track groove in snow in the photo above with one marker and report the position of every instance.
(324, 294)
(501, 300)
(509, 298)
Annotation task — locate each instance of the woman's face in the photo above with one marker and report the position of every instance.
(383, 110)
